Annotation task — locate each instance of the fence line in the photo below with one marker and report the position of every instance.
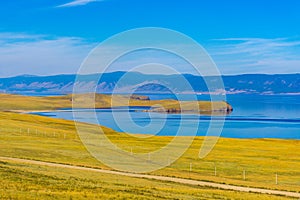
(34, 132)
(215, 169)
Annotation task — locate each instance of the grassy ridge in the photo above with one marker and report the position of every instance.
(18, 102)
(54, 140)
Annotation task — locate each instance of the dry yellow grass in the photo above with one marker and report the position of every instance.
(25, 181)
(56, 140)
(18, 102)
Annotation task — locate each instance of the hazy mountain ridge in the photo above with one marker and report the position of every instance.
(143, 83)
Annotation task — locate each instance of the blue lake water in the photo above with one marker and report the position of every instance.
(254, 116)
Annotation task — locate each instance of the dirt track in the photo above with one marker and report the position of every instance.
(160, 178)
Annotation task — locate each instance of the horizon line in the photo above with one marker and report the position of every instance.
(74, 74)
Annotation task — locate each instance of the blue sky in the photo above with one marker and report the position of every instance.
(53, 37)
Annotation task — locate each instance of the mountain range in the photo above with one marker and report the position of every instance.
(147, 83)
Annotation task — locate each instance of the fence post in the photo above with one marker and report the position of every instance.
(244, 175)
(276, 179)
(215, 169)
(191, 165)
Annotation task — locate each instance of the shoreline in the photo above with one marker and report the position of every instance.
(145, 134)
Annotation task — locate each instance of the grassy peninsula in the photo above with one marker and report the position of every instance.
(9, 102)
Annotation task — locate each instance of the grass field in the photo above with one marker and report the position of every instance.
(10, 102)
(23, 181)
(54, 140)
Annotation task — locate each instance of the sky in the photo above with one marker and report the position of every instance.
(242, 37)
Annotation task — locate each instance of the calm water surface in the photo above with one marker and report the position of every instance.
(254, 116)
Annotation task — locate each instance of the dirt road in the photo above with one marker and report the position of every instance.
(160, 178)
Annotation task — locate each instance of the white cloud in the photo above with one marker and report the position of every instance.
(40, 54)
(256, 55)
(77, 3)
(43, 55)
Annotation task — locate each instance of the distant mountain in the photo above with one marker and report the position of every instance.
(145, 83)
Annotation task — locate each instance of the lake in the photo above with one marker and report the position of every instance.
(254, 116)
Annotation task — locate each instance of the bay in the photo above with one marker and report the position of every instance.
(254, 116)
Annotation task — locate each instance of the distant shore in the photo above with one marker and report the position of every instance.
(25, 104)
